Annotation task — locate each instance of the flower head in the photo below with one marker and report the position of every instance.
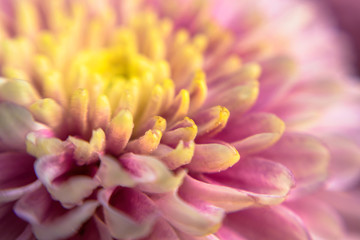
(127, 120)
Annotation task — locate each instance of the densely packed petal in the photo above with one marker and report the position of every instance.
(174, 120)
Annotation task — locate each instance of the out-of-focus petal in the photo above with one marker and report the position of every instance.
(344, 169)
(223, 197)
(320, 219)
(119, 132)
(226, 233)
(94, 229)
(194, 218)
(162, 230)
(11, 226)
(305, 156)
(128, 213)
(15, 123)
(271, 223)
(266, 181)
(17, 175)
(18, 91)
(41, 143)
(48, 219)
(253, 132)
(346, 204)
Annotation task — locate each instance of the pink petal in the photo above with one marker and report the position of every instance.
(253, 132)
(223, 197)
(321, 220)
(344, 168)
(226, 233)
(94, 229)
(150, 174)
(48, 219)
(307, 101)
(190, 237)
(270, 223)
(8, 195)
(238, 99)
(15, 123)
(193, 218)
(266, 181)
(66, 182)
(162, 231)
(11, 226)
(346, 204)
(305, 156)
(278, 76)
(128, 213)
(17, 175)
(213, 157)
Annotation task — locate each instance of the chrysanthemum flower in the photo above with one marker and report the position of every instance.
(127, 120)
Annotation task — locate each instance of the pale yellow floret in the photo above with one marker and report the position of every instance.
(198, 91)
(47, 111)
(79, 110)
(27, 21)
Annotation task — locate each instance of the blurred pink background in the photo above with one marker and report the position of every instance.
(347, 17)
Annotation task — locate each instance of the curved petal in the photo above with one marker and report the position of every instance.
(321, 221)
(226, 233)
(253, 132)
(238, 99)
(271, 223)
(344, 169)
(8, 195)
(17, 175)
(150, 174)
(162, 231)
(18, 91)
(193, 218)
(48, 219)
(184, 130)
(94, 229)
(129, 214)
(223, 197)
(175, 157)
(11, 226)
(15, 123)
(346, 204)
(111, 173)
(305, 156)
(266, 181)
(189, 237)
(213, 157)
(211, 121)
(55, 172)
(87, 152)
